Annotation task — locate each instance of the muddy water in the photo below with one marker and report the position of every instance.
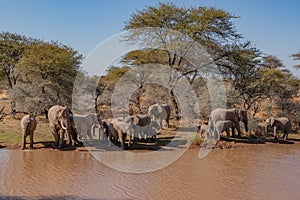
(264, 172)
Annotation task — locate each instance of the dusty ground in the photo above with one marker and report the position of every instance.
(10, 138)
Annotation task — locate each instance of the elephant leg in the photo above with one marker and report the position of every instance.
(135, 139)
(100, 134)
(89, 134)
(216, 133)
(129, 141)
(238, 128)
(109, 140)
(93, 130)
(55, 135)
(275, 133)
(84, 134)
(61, 139)
(285, 135)
(228, 132)
(120, 136)
(69, 140)
(23, 139)
(79, 132)
(74, 134)
(168, 123)
(160, 123)
(124, 139)
(31, 140)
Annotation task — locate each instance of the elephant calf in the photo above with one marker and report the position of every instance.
(203, 129)
(281, 123)
(84, 124)
(145, 127)
(159, 112)
(221, 126)
(114, 132)
(28, 125)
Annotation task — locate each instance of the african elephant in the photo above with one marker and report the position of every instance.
(224, 126)
(114, 132)
(160, 112)
(202, 129)
(281, 123)
(61, 121)
(145, 127)
(28, 125)
(84, 124)
(234, 115)
(141, 125)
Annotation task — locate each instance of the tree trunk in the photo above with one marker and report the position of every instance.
(175, 104)
(46, 113)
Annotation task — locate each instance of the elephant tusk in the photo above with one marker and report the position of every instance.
(63, 127)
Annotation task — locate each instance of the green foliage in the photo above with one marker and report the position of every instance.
(199, 22)
(210, 27)
(139, 57)
(170, 32)
(12, 47)
(296, 57)
(48, 71)
(114, 73)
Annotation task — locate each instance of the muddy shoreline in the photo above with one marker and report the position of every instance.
(221, 144)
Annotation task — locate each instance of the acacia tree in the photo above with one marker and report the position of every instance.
(48, 74)
(211, 27)
(296, 57)
(12, 47)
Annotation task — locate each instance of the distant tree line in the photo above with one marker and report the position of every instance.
(254, 80)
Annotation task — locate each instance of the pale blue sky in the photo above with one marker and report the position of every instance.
(272, 25)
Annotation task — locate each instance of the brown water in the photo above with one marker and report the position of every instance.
(263, 172)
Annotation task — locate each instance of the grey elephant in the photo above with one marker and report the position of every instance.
(281, 123)
(145, 127)
(159, 112)
(222, 126)
(61, 122)
(141, 126)
(28, 126)
(84, 124)
(115, 133)
(202, 129)
(234, 115)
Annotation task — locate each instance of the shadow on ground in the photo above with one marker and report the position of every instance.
(257, 140)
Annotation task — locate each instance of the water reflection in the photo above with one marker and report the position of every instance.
(262, 172)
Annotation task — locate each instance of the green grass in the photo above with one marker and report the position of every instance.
(10, 137)
(10, 132)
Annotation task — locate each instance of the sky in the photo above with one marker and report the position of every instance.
(272, 25)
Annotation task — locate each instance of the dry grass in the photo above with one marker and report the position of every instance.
(10, 132)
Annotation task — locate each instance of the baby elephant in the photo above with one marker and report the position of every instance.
(224, 126)
(202, 129)
(28, 125)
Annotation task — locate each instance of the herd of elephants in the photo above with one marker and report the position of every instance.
(63, 123)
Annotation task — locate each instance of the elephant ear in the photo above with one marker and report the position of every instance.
(136, 119)
(160, 109)
(61, 112)
(272, 121)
